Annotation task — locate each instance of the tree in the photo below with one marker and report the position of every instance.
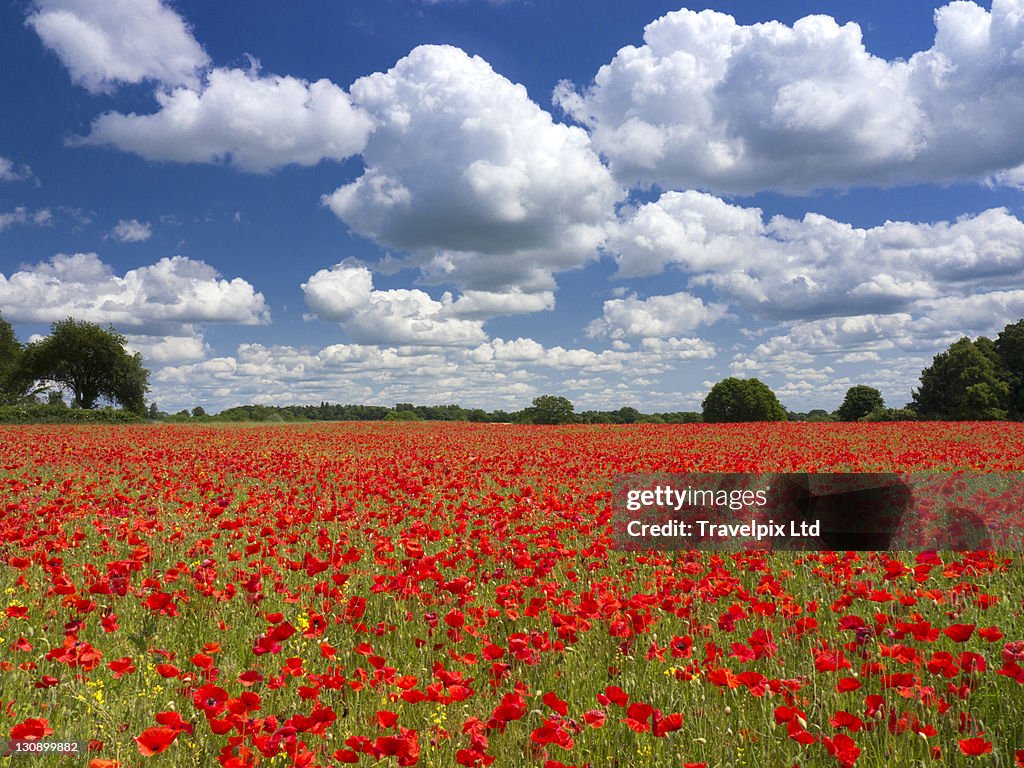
(551, 409)
(90, 361)
(735, 399)
(819, 416)
(13, 386)
(406, 414)
(859, 402)
(627, 415)
(1009, 346)
(198, 412)
(964, 383)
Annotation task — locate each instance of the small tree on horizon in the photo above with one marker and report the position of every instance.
(734, 400)
(859, 402)
(551, 409)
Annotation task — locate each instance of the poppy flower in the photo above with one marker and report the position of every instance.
(153, 741)
(31, 729)
(959, 633)
(975, 746)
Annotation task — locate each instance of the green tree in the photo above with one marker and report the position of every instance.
(13, 385)
(735, 399)
(859, 402)
(627, 415)
(91, 362)
(551, 409)
(964, 383)
(406, 414)
(1009, 346)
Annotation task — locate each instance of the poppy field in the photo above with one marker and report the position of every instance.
(448, 594)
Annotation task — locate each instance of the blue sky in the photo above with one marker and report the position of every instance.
(481, 202)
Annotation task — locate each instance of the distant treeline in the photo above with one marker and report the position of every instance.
(56, 412)
(409, 412)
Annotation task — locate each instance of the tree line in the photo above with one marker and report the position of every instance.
(546, 409)
(973, 380)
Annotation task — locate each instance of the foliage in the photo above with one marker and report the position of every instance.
(403, 415)
(814, 416)
(859, 402)
(550, 409)
(1009, 346)
(964, 383)
(14, 387)
(91, 362)
(891, 414)
(52, 413)
(741, 400)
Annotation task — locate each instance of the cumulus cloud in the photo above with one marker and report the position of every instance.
(106, 43)
(185, 348)
(787, 269)
(464, 169)
(254, 123)
(131, 231)
(163, 299)
(21, 215)
(654, 317)
(947, 318)
(495, 374)
(159, 308)
(708, 103)
(344, 294)
(811, 364)
(11, 171)
(486, 304)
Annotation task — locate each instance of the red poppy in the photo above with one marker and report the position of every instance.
(210, 699)
(153, 741)
(31, 729)
(121, 667)
(555, 703)
(975, 746)
(843, 748)
(959, 633)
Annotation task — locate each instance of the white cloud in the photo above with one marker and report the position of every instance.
(787, 268)
(22, 215)
(10, 171)
(947, 318)
(344, 294)
(708, 103)
(161, 299)
(654, 317)
(253, 123)
(106, 43)
(131, 231)
(170, 349)
(802, 360)
(466, 170)
(486, 304)
(495, 374)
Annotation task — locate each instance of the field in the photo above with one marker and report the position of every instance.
(446, 594)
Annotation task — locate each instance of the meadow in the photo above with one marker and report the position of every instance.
(448, 594)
